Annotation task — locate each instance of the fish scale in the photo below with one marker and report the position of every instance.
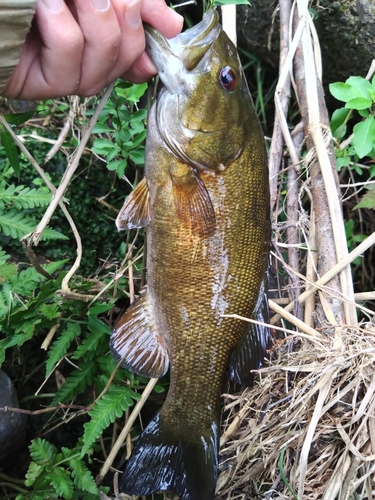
(205, 203)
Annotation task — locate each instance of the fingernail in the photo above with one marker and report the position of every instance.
(101, 5)
(132, 14)
(53, 5)
(178, 18)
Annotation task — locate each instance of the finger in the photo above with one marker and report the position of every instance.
(142, 70)
(50, 60)
(168, 22)
(132, 36)
(102, 34)
(161, 17)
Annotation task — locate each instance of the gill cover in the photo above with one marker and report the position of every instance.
(199, 110)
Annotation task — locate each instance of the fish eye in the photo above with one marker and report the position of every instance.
(228, 79)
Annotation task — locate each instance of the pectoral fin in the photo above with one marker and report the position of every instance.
(135, 211)
(136, 341)
(193, 203)
(250, 353)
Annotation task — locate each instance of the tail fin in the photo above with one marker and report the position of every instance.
(161, 461)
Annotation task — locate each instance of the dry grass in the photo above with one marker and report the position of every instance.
(315, 405)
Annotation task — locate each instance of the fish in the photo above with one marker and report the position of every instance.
(204, 202)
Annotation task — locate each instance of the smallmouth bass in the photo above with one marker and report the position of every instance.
(205, 202)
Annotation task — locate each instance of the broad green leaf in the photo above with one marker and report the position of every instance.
(364, 137)
(358, 103)
(102, 128)
(11, 151)
(342, 91)
(131, 92)
(342, 162)
(338, 119)
(137, 156)
(16, 119)
(361, 85)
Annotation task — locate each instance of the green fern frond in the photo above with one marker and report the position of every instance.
(17, 225)
(60, 479)
(7, 271)
(3, 257)
(33, 473)
(82, 477)
(91, 342)
(42, 451)
(27, 280)
(111, 406)
(22, 197)
(60, 347)
(76, 383)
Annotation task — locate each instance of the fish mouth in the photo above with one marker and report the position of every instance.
(184, 54)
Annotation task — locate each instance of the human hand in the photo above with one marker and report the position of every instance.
(79, 47)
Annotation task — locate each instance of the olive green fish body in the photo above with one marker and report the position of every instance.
(205, 204)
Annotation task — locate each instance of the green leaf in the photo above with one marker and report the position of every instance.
(367, 200)
(102, 146)
(101, 128)
(61, 345)
(42, 451)
(342, 91)
(364, 137)
(132, 92)
(82, 477)
(358, 103)
(137, 156)
(16, 119)
(342, 162)
(33, 473)
(11, 151)
(361, 86)
(60, 479)
(16, 225)
(97, 331)
(3, 256)
(23, 197)
(76, 383)
(111, 406)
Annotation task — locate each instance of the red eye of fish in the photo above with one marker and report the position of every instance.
(228, 78)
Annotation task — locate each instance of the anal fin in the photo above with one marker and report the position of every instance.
(135, 212)
(136, 341)
(251, 351)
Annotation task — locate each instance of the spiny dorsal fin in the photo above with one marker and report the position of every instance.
(193, 203)
(136, 341)
(135, 211)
